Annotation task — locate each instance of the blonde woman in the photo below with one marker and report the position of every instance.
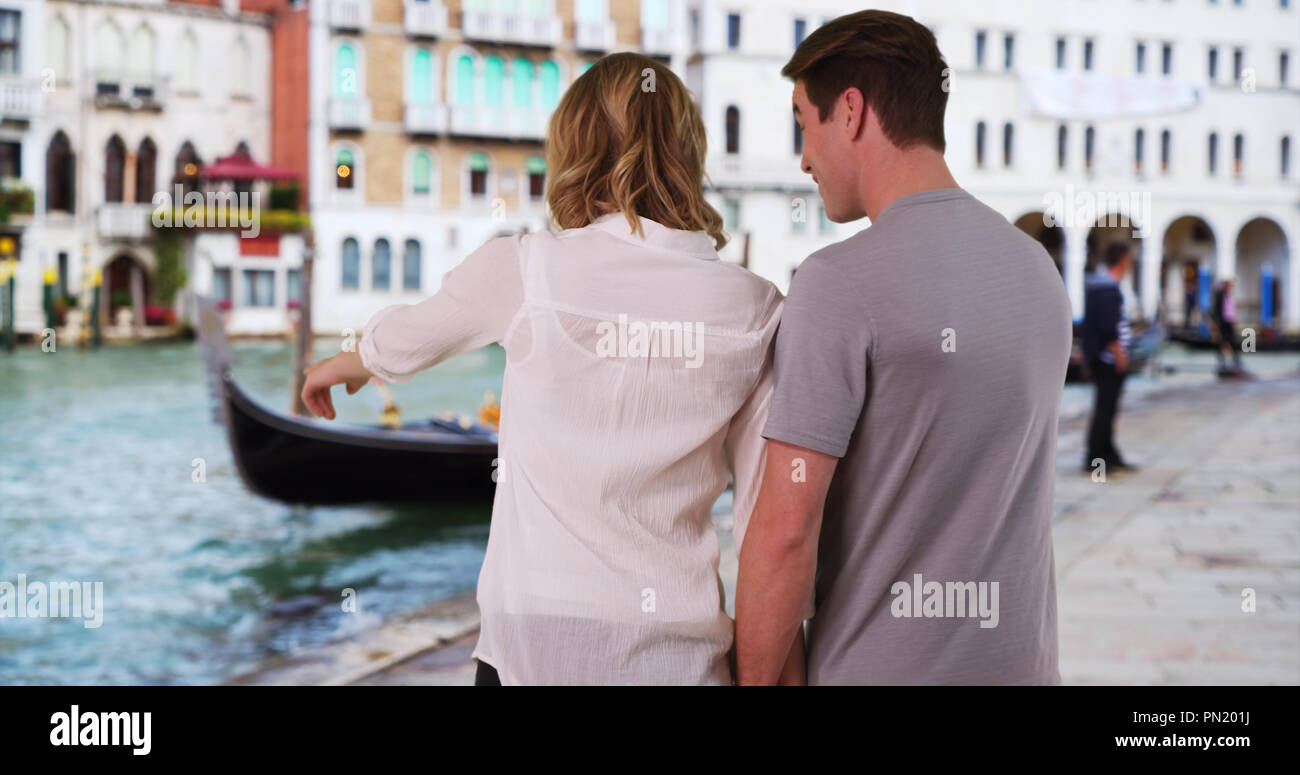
(636, 383)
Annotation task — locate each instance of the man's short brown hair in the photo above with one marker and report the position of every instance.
(892, 59)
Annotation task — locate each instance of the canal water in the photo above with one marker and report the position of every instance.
(203, 580)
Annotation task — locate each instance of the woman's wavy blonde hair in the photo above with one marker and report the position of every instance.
(628, 137)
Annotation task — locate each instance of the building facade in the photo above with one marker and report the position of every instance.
(416, 128)
(1167, 123)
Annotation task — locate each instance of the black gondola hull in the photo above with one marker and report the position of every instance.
(296, 461)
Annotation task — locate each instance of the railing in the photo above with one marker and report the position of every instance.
(349, 14)
(124, 220)
(424, 18)
(134, 91)
(498, 121)
(349, 113)
(20, 98)
(594, 35)
(425, 118)
(523, 29)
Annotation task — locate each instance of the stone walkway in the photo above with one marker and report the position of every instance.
(1151, 566)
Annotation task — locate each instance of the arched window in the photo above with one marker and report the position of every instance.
(146, 166)
(522, 78)
(243, 186)
(1008, 143)
(1213, 153)
(493, 80)
(1061, 138)
(60, 175)
(345, 70)
(1089, 143)
(1284, 156)
(979, 144)
(187, 167)
(239, 68)
(478, 174)
(114, 166)
(142, 62)
(411, 266)
(1238, 154)
(422, 76)
(536, 167)
(1166, 149)
(1139, 143)
(732, 124)
(109, 55)
(421, 172)
(465, 80)
(381, 266)
(351, 265)
(58, 50)
(550, 85)
(187, 62)
(344, 169)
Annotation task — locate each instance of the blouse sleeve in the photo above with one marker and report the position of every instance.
(747, 450)
(474, 307)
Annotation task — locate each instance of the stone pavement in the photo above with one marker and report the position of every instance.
(1151, 566)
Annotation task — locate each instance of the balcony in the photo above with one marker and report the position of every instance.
(349, 14)
(124, 220)
(130, 91)
(349, 114)
(593, 36)
(424, 18)
(20, 98)
(425, 118)
(498, 122)
(517, 28)
(658, 40)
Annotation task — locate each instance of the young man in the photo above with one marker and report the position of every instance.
(1106, 339)
(919, 369)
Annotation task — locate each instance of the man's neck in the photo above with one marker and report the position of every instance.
(901, 173)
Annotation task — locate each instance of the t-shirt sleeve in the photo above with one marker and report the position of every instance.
(474, 307)
(822, 356)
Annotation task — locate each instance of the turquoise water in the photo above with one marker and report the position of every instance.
(201, 580)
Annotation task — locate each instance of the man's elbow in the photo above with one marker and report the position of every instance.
(783, 538)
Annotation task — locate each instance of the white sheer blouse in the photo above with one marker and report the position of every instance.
(637, 380)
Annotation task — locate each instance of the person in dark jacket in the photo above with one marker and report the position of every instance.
(1106, 338)
(1224, 313)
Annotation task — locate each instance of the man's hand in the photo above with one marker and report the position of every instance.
(342, 369)
(778, 562)
(1121, 356)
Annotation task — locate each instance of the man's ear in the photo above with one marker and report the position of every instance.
(855, 121)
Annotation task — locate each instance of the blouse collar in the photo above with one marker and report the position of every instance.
(696, 243)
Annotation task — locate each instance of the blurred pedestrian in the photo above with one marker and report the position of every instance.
(1191, 284)
(1225, 323)
(1106, 337)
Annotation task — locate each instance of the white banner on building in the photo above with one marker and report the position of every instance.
(1092, 97)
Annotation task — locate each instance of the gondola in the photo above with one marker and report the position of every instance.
(1268, 340)
(300, 461)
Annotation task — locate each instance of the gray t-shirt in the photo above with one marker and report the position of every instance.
(928, 352)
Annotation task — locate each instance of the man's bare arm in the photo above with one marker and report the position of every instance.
(778, 560)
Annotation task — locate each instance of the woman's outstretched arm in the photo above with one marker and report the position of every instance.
(474, 307)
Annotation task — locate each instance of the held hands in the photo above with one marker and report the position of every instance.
(342, 369)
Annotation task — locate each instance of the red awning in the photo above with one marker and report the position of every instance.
(240, 166)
